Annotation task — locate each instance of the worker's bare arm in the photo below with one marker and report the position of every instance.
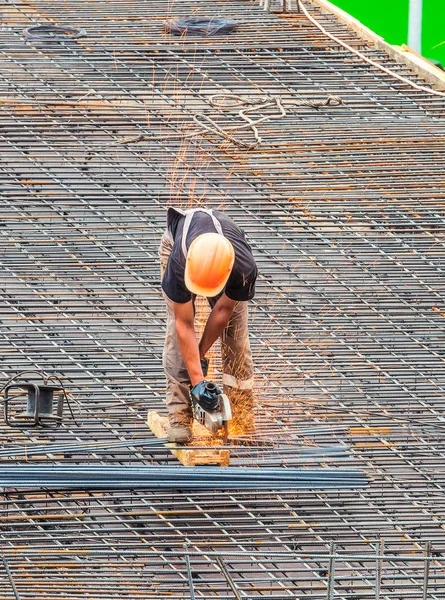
(188, 343)
(216, 323)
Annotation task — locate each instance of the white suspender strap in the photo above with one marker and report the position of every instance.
(216, 223)
(188, 219)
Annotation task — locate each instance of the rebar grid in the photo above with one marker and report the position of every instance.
(252, 573)
(343, 207)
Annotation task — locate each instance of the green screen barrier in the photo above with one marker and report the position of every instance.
(389, 18)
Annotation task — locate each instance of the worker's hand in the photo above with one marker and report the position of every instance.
(204, 366)
(205, 393)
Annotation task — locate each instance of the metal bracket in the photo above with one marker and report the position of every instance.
(39, 410)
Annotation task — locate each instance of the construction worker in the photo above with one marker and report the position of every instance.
(204, 253)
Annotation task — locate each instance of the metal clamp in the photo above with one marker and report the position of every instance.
(39, 411)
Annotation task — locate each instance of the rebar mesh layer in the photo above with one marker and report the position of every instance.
(343, 206)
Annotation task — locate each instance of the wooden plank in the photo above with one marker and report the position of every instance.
(370, 430)
(190, 457)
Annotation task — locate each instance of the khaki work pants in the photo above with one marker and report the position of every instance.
(236, 362)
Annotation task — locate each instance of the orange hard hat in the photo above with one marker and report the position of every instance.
(209, 263)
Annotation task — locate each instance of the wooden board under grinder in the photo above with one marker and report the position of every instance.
(187, 456)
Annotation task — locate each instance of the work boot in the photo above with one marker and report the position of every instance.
(241, 402)
(179, 433)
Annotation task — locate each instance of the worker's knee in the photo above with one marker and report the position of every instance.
(237, 328)
(237, 358)
(242, 381)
